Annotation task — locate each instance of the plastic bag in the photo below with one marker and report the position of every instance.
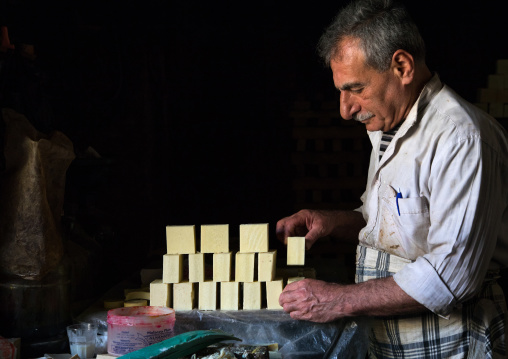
(346, 338)
(32, 195)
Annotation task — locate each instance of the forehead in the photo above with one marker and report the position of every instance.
(349, 64)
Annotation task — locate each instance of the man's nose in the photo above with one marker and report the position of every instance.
(348, 106)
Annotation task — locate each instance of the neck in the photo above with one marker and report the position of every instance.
(422, 76)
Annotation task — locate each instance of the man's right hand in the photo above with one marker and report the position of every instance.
(311, 224)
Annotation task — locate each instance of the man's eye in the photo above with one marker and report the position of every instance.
(357, 90)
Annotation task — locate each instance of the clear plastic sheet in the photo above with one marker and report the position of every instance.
(345, 338)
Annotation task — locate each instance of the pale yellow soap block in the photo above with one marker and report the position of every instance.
(252, 295)
(222, 267)
(267, 266)
(172, 268)
(207, 295)
(181, 239)
(215, 238)
(244, 267)
(126, 291)
(160, 293)
(229, 295)
(196, 267)
(273, 291)
(138, 295)
(296, 251)
(183, 296)
(135, 303)
(254, 238)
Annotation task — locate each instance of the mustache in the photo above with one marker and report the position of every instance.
(362, 116)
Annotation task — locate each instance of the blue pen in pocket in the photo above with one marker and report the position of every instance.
(399, 195)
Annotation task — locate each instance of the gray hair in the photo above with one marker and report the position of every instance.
(382, 26)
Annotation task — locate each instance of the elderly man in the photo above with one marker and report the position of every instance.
(433, 227)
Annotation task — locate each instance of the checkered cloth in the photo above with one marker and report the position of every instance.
(477, 330)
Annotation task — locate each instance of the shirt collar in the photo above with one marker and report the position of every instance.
(430, 89)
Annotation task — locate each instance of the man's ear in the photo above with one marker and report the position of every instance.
(403, 66)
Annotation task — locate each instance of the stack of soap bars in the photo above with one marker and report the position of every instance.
(253, 287)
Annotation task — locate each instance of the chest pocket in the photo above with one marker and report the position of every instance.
(414, 206)
(410, 228)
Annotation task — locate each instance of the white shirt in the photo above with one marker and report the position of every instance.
(449, 161)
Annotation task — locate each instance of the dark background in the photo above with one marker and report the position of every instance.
(187, 104)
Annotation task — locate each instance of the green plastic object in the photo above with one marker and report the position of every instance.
(181, 345)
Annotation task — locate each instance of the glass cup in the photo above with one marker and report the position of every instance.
(82, 338)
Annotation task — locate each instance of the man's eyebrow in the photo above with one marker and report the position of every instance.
(350, 85)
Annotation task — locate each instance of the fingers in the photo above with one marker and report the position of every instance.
(300, 315)
(290, 294)
(311, 299)
(296, 309)
(309, 223)
(282, 230)
(294, 225)
(291, 307)
(287, 296)
(294, 300)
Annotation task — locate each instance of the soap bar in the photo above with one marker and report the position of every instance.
(229, 295)
(244, 267)
(181, 239)
(296, 251)
(160, 293)
(138, 295)
(222, 267)
(267, 266)
(252, 295)
(126, 291)
(183, 296)
(135, 303)
(207, 295)
(172, 268)
(254, 238)
(215, 238)
(273, 291)
(196, 267)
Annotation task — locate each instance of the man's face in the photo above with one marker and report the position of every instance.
(366, 95)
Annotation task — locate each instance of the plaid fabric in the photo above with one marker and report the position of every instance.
(477, 330)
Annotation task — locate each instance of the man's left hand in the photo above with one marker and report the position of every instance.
(313, 300)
